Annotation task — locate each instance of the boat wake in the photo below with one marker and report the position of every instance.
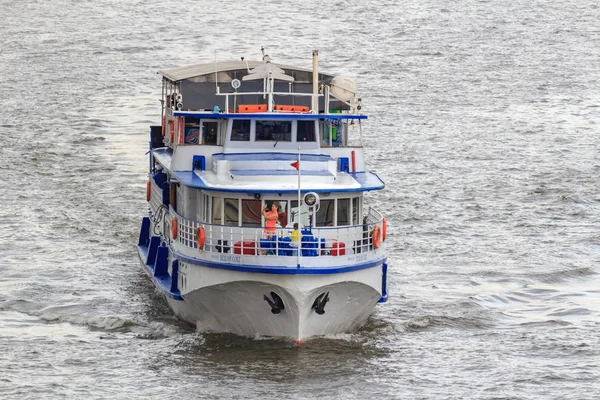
(78, 315)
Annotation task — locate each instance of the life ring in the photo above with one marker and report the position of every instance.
(384, 230)
(148, 190)
(200, 238)
(376, 236)
(174, 228)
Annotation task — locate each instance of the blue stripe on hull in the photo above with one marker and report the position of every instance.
(280, 270)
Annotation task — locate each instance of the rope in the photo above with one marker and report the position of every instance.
(158, 218)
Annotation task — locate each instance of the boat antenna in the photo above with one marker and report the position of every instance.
(315, 79)
(247, 66)
(216, 74)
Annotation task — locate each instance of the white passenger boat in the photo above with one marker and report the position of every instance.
(246, 150)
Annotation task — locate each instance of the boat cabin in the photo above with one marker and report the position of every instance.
(237, 137)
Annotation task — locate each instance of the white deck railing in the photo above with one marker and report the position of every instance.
(321, 241)
(252, 241)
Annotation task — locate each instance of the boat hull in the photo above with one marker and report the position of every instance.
(221, 293)
(216, 300)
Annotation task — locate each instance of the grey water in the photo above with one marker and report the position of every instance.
(484, 119)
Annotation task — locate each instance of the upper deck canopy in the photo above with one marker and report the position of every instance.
(198, 84)
(208, 70)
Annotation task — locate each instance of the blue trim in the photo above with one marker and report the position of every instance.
(198, 162)
(368, 181)
(344, 164)
(384, 293)
(164, 283)
(279, 270)
(290, 116)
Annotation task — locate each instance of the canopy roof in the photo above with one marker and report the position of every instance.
(192, 71)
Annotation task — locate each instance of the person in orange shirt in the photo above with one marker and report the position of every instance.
(271, 220)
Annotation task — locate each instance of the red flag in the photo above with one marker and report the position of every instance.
(296, 165)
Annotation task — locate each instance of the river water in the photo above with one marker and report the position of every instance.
(483, 122)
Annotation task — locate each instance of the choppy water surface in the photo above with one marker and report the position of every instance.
(484, 124)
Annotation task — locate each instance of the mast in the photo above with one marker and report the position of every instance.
(315, 98)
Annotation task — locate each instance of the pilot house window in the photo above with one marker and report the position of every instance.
(306, 131)
(240, 130)
(210, 132)
(274, 130)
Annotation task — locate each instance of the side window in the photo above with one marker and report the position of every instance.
(325, 213)
(192, 131)
(206, 211)
(282, 218)
(251, 212)
(283, 213)
(188, 201)
(343, 211)
(210, 132)
(216, 210)
(280, 131)
(240, 130)
(200, 205)
(306, 131)
(231, 212)
(331, 133)
(298, 214)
